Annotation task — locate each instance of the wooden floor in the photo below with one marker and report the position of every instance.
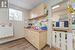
(20, 44)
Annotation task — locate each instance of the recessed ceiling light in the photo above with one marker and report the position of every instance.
(73, 13)
(72, 16)
(55, 6)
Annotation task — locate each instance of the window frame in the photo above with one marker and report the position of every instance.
(14, 17)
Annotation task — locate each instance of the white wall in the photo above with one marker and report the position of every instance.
(3, 15)
(18, 25)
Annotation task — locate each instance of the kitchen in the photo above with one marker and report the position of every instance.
(34, 25)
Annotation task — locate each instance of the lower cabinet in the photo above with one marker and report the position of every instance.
(37, 38)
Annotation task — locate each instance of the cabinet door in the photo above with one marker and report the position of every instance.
(35, 39)
(25, 32)
(42, 39)
(27, 35)
(30, 36)
(73, 32)
(37, 11)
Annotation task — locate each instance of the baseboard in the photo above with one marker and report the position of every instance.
(11, 40)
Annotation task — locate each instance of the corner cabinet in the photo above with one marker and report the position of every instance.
(37, 38)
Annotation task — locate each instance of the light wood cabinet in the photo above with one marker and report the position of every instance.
(38, 11)
(37, 38)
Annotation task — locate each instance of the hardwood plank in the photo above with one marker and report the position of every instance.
(21, 44)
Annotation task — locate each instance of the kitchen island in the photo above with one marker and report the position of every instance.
(38, 38)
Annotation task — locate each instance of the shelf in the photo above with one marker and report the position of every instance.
(60, 29)
(42, 16)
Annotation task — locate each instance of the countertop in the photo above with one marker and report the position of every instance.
(31, 29)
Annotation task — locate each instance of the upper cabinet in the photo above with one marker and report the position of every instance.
(39, 10)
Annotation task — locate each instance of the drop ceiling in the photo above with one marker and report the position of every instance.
(26, 4)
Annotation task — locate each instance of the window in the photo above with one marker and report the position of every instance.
(15, 15)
